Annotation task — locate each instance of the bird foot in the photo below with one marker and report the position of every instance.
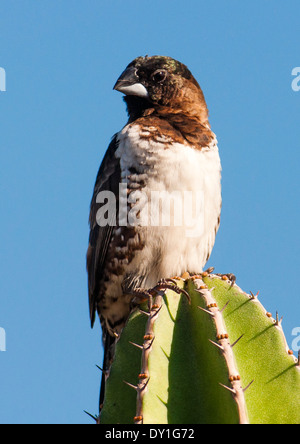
(194, 276)
(143, 295)
(228, 277)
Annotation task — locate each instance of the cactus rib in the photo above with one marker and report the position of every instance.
(226, 348)
(149, 337)
(275, 394)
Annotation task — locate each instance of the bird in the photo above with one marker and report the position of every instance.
(162, 165)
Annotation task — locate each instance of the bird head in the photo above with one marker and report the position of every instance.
(163, 83)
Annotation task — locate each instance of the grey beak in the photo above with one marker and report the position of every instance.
(129, 83)
(127, 78)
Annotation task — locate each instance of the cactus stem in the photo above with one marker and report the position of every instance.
(175, 397)
(235, 342)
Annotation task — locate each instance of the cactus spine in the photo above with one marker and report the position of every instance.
(220, 359)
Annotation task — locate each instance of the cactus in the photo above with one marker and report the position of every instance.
(221, 358)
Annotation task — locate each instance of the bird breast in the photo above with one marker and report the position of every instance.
(174, 199)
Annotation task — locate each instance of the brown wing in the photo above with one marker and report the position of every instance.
(108, 179)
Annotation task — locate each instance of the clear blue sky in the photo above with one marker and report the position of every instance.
(57, 116)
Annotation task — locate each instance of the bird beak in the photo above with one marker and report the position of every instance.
(128, 83)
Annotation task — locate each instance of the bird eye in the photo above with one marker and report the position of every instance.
(159, 76)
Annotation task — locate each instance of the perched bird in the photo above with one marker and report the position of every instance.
(164, 171)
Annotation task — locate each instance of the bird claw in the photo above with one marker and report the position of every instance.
(230, 276)
(170, 284)
(142, 295)
(210, 270)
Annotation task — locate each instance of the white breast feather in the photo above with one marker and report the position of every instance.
(181, 168)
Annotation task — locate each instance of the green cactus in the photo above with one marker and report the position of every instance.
(219, 359)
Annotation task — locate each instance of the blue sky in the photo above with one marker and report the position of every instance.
(57, 116)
